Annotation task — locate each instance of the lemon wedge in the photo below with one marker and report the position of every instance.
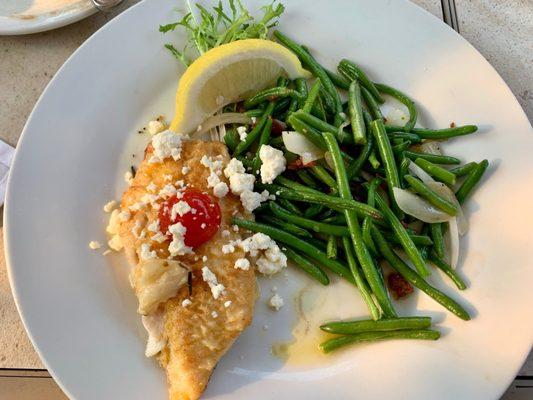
(229, 73)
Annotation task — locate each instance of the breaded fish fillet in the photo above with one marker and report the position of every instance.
(199, 333)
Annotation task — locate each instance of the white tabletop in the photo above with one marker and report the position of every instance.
(502, 31)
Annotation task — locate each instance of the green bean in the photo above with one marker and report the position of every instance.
(434, 198)
(438, 238)
(295, 230)
(412, 137)
(276, 142)
(419, 240)
(403, 237)
(281, 108)
(315, 68)
(355, 167)
(312, 134)
(387, 157)
(313, 210)
(270, 95)
(437, 133)
(301, 87)
(298, 244)
(439, 173)
(372, 104)
(289, 206)
(313, 196)
(373, 160)
(363, 255)
(401, 147)
(263, 139)
(306, 265)
(323, 175)
(331, 251)
(231, 139)
(338, 80)
(323, 126)
(327, 102)
(319, 110)
(414, 278)
(368, 325)
(434, 158)
(338, 219)
(404, 168)
(418, 334)
(311, 98)
(315, 226)
(365, 291)
(447, 269)
(472, 179)
(356, 113)
(308, 131)
(366, 227)
(254, 113)
(402, 98)
(255, 132)
(307, 179)
(351, 71)
(464, 169)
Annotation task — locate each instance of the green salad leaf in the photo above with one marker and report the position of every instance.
(210, 29)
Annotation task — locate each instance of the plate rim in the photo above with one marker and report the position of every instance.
(6, 214)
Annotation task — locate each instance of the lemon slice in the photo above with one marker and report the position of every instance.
(229, 73)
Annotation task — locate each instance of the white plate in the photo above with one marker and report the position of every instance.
(19, 17)
(80, 312)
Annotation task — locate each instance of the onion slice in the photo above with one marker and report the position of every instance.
(443, 190)
(420, 173)
(453, 234)
(418, 207)
(297, 143)
(222, 119)
(431, 147)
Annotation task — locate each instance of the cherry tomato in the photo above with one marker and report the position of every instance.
(202, 222)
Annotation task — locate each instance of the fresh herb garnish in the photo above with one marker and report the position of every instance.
(211, 29)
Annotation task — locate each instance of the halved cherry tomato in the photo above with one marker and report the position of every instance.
(202, 222)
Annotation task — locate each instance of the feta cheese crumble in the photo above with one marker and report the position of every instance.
(241, 130)
(276, 302)
(155, 126)
(110, 206)
(217, 289)
(220, 189)
(177, 247)
(94, 245)
(273, 163)
(180, 208)
(242, 263)
(186, 303)
(166, 144)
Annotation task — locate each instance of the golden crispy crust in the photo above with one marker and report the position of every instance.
(199, 334)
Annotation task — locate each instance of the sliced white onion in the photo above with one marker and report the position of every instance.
(453, 235)
(297, 143)
(420, 173)
(396, 117)
(222, 119)
(443, 190)
(431, 147)
(418, 207)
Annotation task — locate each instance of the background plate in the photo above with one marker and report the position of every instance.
(30, 16)
(79, 140)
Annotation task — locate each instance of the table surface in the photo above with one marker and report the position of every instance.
(502, 31)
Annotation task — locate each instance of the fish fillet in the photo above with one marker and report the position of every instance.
(199, 334)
